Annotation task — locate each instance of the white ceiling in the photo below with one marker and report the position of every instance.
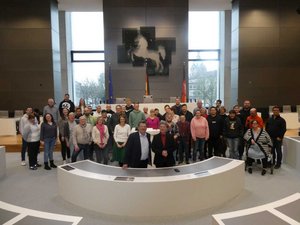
(96, 5)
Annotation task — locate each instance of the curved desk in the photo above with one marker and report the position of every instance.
(151, 192)
(292, 151)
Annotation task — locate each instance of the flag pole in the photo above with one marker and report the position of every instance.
(110, 85)
(147, 90)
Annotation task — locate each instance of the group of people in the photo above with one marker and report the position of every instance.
(183, 136)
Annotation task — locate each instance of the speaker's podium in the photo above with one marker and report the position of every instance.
(148, 99)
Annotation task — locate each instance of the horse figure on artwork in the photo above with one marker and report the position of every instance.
(141, 50)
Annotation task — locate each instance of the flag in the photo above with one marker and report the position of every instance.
(183, 88)
(110, 87)
(147, 90)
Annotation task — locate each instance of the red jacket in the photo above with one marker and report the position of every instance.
(251, 118)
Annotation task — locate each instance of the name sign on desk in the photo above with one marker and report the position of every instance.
(68, 168)
(124, 178)
(201, 173)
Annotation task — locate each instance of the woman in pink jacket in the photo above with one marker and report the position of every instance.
(200, 133)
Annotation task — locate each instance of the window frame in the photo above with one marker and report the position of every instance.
(86, 52)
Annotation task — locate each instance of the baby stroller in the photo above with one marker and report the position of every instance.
(255, 154)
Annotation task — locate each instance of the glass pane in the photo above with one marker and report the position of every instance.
(87, 30)
(203, 55)
(88, 56)
(89, 82)
(204, 30)
(204, 81)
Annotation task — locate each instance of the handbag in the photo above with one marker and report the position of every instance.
(255, 152)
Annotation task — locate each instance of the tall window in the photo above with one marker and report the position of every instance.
(204, 56)
(88, 57)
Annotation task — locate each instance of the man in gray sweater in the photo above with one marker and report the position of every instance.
(52, 109)
(82, 138)
(136, 116)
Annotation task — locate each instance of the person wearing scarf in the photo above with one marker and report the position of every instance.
(100, 137)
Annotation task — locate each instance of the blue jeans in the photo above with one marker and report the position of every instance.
(24, 148)
(48, 148)
(199, 146)
(233, 144)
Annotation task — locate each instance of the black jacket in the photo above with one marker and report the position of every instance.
(133, 150)
(157, 148)
(215, 125)
(66, 104)
(188, 115)
(276, 127)
(243, 116)
(233, 128)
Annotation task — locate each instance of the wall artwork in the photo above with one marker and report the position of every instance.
(141, 46)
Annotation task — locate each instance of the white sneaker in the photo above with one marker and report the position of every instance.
(64, 162)
(23, 163)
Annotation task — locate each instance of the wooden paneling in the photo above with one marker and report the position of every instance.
(268, 52)
(26, 52)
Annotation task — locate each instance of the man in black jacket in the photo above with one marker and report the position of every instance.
(215, 124)
(66, 103)
(233, 132)
(163, 146)
(188, 115)
(137, 150)
(276, 127)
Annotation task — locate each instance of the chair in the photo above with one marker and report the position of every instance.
(18, 113)
(3, 114)
(120, 100)
(286, 108)
(148, 99)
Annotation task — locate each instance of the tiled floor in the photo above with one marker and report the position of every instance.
(38, 190)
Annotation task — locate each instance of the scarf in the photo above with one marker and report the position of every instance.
(100, 127)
